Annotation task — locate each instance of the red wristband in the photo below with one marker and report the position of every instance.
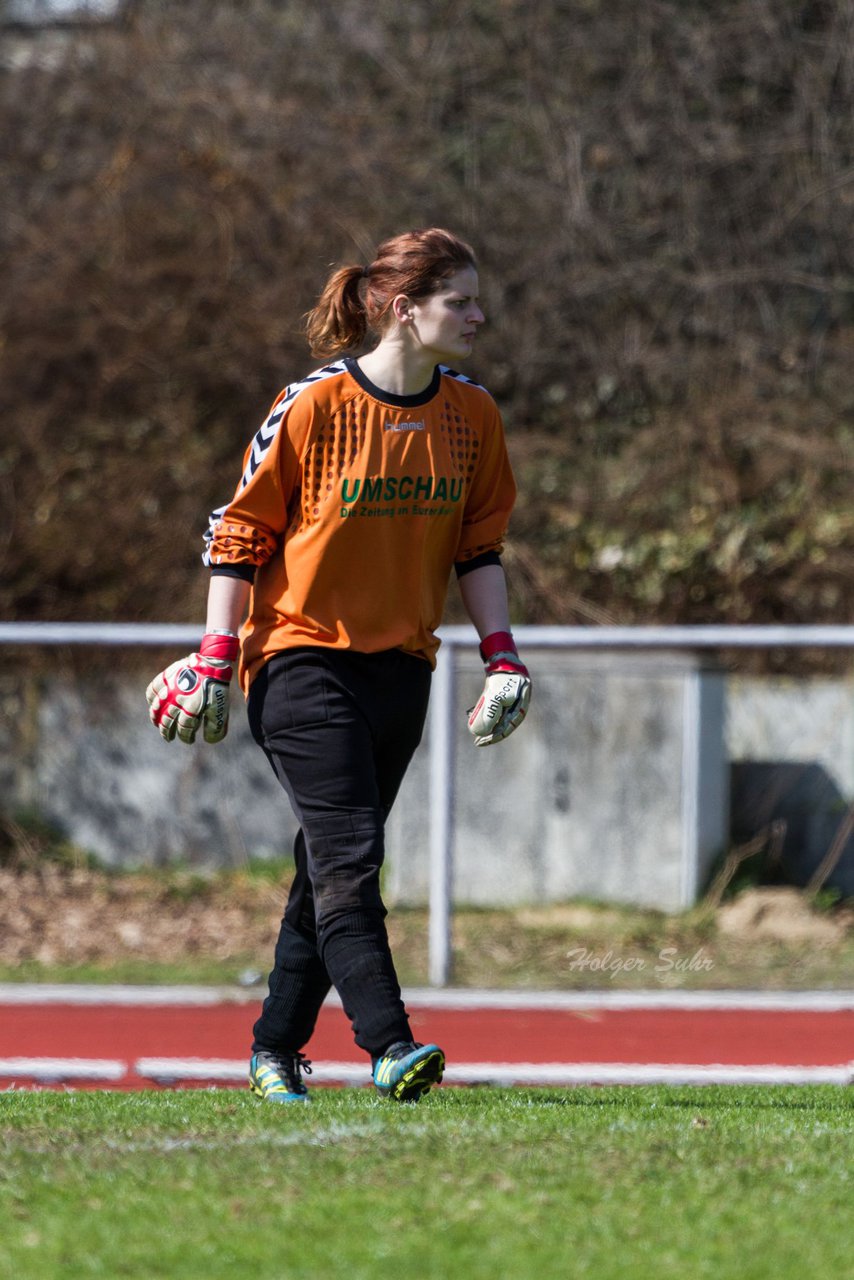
(498, 642)
(499, 654)
(226, 648)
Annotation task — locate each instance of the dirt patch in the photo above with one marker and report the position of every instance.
(55, 917)
(782, 914)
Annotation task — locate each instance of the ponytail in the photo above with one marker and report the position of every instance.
(414, 263)
(339, 320)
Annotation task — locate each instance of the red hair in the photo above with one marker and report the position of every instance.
(357, 299)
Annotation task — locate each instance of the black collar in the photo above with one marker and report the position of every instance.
(386, 397)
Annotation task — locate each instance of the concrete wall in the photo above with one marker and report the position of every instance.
(791, 744)
(616, 788)
(778, 718)
(591, 797)
(83, 755)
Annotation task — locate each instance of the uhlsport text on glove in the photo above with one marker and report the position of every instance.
(506, 695)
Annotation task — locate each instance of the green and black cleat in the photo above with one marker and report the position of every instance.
(406, 1071)
(277, 1077)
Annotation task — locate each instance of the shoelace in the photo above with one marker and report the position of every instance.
(291, 1064)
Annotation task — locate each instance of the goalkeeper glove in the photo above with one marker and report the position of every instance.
(503, 704)
(194, 691)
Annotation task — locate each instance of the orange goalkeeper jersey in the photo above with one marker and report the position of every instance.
(353, 507)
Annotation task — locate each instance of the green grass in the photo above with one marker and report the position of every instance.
(616, 1184)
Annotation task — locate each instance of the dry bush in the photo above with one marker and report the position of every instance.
(661, 197)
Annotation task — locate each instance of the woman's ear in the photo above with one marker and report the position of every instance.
(402, 309)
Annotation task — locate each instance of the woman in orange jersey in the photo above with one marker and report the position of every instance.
(370, 480)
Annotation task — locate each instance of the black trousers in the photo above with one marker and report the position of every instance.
(339, 729)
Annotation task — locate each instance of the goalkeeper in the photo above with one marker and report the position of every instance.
(370, 480)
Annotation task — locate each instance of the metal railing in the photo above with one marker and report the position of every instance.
(443, 709)
(699, 637)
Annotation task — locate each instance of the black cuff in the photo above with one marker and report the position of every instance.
(462, 567)
(244, 571)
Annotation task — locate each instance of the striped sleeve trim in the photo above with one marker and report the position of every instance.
(262, 440)
(265, 436)
(460, 377)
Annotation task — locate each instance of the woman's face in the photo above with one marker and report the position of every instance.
(444, 324)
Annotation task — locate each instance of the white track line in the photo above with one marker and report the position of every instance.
(810, 1001)
(233, 1072)
(12, 993)
(34, 993)
(585, 1073)
(62, 1068)
(165, 1070)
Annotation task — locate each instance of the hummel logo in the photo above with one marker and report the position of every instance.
(404, 426)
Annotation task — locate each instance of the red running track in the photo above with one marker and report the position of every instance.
(588, 1036)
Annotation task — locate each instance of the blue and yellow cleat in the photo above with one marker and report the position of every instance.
(406, 1071)
(276, 1077)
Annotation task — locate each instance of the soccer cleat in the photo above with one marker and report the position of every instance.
(276, 1077)
(406, 1071)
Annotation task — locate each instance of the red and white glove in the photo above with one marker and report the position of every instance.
(503, 704)
(194, 691)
